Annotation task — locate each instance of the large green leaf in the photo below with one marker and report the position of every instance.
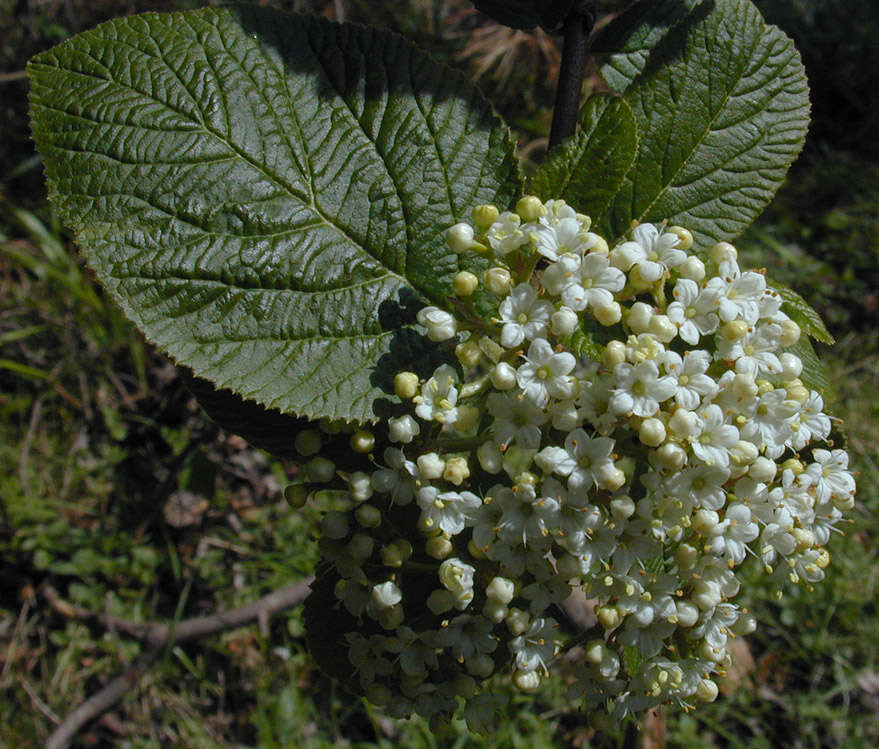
(721, 103)
(588, 168)
(265, 194)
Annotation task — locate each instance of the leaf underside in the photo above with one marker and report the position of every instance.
(721, 103)
(265, 194)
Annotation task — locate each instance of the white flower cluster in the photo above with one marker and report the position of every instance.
(628, 423)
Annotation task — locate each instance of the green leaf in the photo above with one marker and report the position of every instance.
(721, 103)
(803, 313)
(587, 170)
(327, 622)
(265, 194)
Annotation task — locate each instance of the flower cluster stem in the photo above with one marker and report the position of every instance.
(577, 29)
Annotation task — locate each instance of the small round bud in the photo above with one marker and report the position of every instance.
(335, 525)
(687, 613)
(480, 665)
(501, 590)
(652, 432)
(744, 387)
(320, 470)
(362, 441)
(791, 366)
(368, 516)
(797, 393)
(308, 442)
(609, 616)
(394, 554)
(763, 470)
(671, 456)
(360, 486)
(564, 321)
(686, 556)
(503, 376)
(639, 317)
(489, 456)
(403, 429)
(527, 681)
(360, 547)
(614, 353)
(441, 326)
(597, 244)
(593, 651)
(692, 268)
(530, 208)
(610, 477)
(685, 237)
(734, 330)
(456, 470)
(743, 453)
(498, 281)
(723, 252)
(438, 547)
(465, 283)
(663, 328)
(406, 384)
(517, 621)
(792, 464)
(494, 611)
(460, 237)
(790, 333)
(485, 215)
(296, 495)
(468, 354)
(440, 601)
(622, 507)
(706, 690)
(430, 466)
(705, 522)
(706, 595)
(745, 625)
(609, 314)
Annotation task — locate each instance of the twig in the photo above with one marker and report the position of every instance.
(578, 26)
(158, 636)
(18, 75)
(24, 454)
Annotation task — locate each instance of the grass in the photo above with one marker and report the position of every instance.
(116, 490)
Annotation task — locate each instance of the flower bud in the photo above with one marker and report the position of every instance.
(396, 552)
(622, 507)
(360, 547)
(687, 614)
(335, 525)
(663, 328)
(438, 547)
(480, 665)
(440, 324)
(430, 466)
(706, 595)
(684, 424)
(609, 616)
(465, 283)
(501, 590)
(792, 464)
(308, 442)
(797, 393)
(706, 690)
(671, 456)
(368, 516)
(597, 244)
(791, 366)
(406, 384)
(460, 237)
(468, 354)
(498, 281)
(362, 441)
(610, 477)
(763, 470)
(705, 522)
(503, 376)
(685, 237)
(320, 470)
(527, 681)
(743, 453)
(360, 486)
(790, 333)
(530, 208)
(692, 268)
(564, 321)
(745, 625)
(296, 495)
(723, 252)
(489, 456)
(639, 317)
(517, 621)
(734, 330)
(608, 314)
(403, 429)
(485, 215)
(686, 556)
(744, 387)
(593, 651)
(652, 432)
(614, 353)
(456, 470)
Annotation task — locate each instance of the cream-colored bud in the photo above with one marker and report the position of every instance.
(614, 353)
(438, 547)
(501, 589)
(362, 441)
(530, 208)
(308, 442)
(430, 466)
(489, 456)
(639, 317)
(671, 456)
(527, 681)
(744, 387)
(320, 470)
(692, 268)
(791, 366)
(743, 453)
(622, 507)
(706, 690)
(406, 384)
(498, 281)
(798, 393)
(608, 314)
(684, 424)
(609, 616)
(403, 429)
(723, 252)
(790, 333)
(705, 522)
(804, 537)
(564, 321)
(763, 470)
(792, 464)
(745, 624)
(706, 595)
(610, 477)
(503, 376)
(734, 330)
(460, 237)
(456, 470)
(465, 283)
(360, 486)
(687, 613)
(517, 621)
(296, 495)
(597, 244)
(686, 556)
(652, 432)
(368, 516)
(485, 215)
(663, 328)
(685, 237)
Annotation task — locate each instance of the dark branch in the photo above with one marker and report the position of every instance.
(578, 26)
(157, 636)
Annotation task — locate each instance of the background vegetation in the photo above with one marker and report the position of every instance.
(120, 495)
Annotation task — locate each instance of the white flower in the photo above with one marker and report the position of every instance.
(700, 486)
(439, 323)
(640, 389)
(449, 512)
(692, 382)
(397, 480)
(537, 647)
(527, 518)
(439, 396)
(545, 373)
(564, 237)
(714, 439)
(516, 420)
(693, 312)
(754, 353)
(652, 252)
(524, 316)
(505, 234)
(457, 578)
(586, 461)
(768, 425)
(733, 533)
(810, 422)
(739, 295)
(830, 475)
(592, 282)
